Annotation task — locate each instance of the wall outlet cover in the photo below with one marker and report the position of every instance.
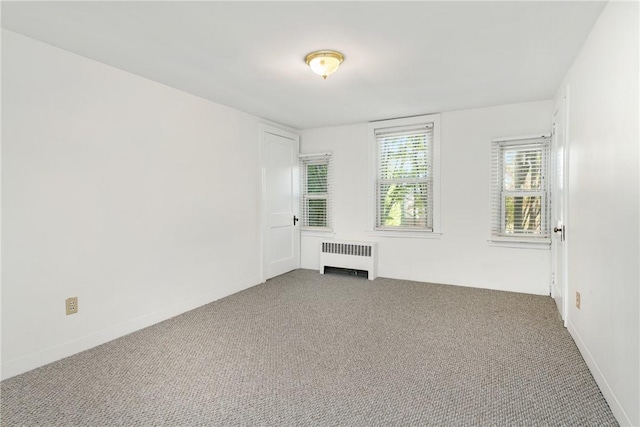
(71, 305)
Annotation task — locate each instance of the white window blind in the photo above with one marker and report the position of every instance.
(316, 191)
(404, 177)
(520, 187)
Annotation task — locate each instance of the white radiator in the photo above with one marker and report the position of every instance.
(354, 255)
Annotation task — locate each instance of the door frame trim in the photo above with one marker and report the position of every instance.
(263, 130)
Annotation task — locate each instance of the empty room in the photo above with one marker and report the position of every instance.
(320, 213)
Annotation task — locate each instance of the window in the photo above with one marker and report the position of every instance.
(520, 190)
(406, 178)
(316, 191)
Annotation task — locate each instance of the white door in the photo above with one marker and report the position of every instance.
(280, 195)
(559, 285)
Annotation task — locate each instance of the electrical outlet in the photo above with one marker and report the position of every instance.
(578, 300)
(72, 305)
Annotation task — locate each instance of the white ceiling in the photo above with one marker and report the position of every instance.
(401, 58)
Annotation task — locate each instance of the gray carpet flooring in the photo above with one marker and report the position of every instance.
(327, 350)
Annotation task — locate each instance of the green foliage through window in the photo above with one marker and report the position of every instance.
(522, 184)
(315, 192)
(521, 193)
(404, 182)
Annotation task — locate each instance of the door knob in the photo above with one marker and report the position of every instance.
(295, 219)
(557, 230)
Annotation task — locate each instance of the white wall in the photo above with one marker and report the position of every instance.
(139, 199)
(603, 224)
(462, 256)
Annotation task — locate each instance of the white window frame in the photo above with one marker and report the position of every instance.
(436, 232)
(497, 195)
(315, 158)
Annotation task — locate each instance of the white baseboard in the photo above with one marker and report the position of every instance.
(43, 357)
(608, 394)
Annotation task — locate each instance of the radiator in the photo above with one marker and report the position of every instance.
(354, 255)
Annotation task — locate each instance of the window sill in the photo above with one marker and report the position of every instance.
(520, 243)
(405, 234)
(328, 232)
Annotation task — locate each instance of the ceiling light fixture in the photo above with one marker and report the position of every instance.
(324, 62)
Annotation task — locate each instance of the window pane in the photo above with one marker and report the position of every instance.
(404, 205)
(404, 175)
(523, 214)
(317, 212)
(520, 205)
(316, 178)
(522, 168)
(315, 191)
(404, 156)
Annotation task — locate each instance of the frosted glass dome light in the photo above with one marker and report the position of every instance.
(324, 62)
